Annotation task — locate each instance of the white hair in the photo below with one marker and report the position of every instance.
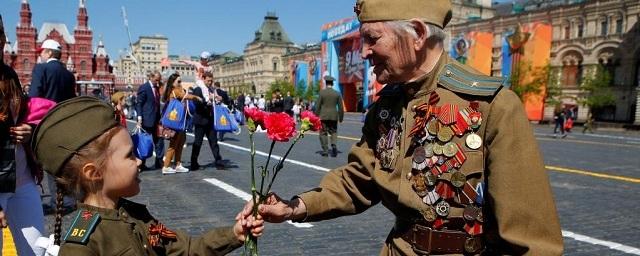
(435, 32)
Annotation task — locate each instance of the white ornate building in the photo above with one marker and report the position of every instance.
(585, 34)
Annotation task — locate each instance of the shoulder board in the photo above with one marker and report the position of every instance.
(457, 79)
(82, 227)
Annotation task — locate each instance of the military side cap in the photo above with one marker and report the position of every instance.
(436, 12)
(329, 78)
(68, 127)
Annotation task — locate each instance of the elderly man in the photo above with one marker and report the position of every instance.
(448, 151)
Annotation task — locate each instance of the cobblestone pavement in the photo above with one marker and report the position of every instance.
(601, 208)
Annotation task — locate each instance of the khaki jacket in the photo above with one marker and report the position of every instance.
(125, 231)
(520, 217)
(329, 105)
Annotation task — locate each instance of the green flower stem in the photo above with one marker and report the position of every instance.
(281, 162)
(264, 173)
(251, 242)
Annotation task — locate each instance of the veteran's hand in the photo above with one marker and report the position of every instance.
(277, 210)
(20, 133)
(245, 222)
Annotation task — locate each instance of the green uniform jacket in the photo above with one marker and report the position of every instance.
(519, 212)
(125, 231)
(329, 105)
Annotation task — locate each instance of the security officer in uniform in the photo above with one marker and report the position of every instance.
(448, 151)
(330, 110)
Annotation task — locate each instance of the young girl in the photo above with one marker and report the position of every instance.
(174, 90)
(90, 154)
(296, 110)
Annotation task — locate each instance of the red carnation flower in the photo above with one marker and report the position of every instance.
(255, 114)
(314, 120)
(280, 126)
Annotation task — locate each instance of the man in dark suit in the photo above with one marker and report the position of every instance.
(203, 121)
(330, 110)
(148, 110)
(51, 79)
(288, 104)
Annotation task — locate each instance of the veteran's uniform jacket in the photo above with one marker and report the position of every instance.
(503, 176)
(131, 230)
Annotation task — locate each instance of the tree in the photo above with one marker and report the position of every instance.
(526, 80)
(300, 89)
(553, 87)
(283, 86)
(596, 89)
(312, 91)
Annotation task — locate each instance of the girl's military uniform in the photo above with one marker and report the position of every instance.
(456, 162)
(131, 230)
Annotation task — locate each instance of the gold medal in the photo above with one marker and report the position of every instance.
(450, 149)
(429, 214)
(419, 185)
(445, 134)
(432, 127)
(428, 150)
(431, 179)
(438, 149)
(473, 141)
(458, 179)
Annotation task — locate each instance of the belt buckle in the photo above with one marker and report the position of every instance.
(419, 228)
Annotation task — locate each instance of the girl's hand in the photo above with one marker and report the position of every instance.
(245, 222)
(20, 133)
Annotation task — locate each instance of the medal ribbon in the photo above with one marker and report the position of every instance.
(159, 231)
(473, 229)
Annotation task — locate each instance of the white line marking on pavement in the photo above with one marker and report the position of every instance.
(246, 197)
(277, 157)
(611, 245)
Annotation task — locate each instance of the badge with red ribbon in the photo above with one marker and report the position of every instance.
(159, 231)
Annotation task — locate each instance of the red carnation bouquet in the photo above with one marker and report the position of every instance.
(280, 128)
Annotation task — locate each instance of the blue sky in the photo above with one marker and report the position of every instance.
(191, 25)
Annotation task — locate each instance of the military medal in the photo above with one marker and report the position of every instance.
(431, 197)
(419, 185)
(476, 119)
(473, 141)
(431, 179)
(383, 114)
(472, 245)
(480, 216)
(448, 114)
(419, 156)
(442, 208)
(438, 149)
(433, 126)
(458, 179)
(450, 149)
(469, 192)
(429, 214)
(445, 134)
(470, 213)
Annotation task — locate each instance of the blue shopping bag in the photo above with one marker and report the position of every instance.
(239, 116)
(142, 143)
(223, 120)
(175, 116)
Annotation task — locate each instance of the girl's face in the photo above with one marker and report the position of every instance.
(121, 168)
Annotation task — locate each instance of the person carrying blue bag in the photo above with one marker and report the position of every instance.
(175, 117)
(203, 122)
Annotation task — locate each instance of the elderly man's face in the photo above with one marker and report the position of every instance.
(392, 56)
(156, 79)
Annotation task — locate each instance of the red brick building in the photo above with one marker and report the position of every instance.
(90, 67)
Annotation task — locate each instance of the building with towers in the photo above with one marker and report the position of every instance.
(90, 65)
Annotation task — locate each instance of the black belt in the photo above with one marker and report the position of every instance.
(425, 240)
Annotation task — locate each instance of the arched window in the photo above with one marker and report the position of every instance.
(604, 26)
(83, 65)
(571, 69)
(275, 62)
